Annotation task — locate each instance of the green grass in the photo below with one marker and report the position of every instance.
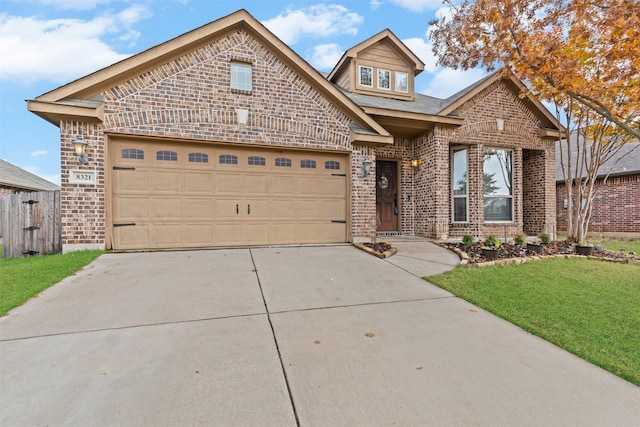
(617, 244)
(588, 307)
(23, 278)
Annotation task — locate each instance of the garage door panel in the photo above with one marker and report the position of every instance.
(332, 186)
(334, 209)
(165, 209)
(283, 233)
(256, 210)
(201, 209)
(309, 186)
(130, 182)
(164, 182)
(215, 197)
(257, 185)
(132, 237)
(230, 183)
(165, 235)
(227, 209)
(129, 208)
(199, 183)
(257, 234)
(198, 234)
(283, 209)
(284, 186)
(229, 234)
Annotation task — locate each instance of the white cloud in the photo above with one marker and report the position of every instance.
(326, 56)
(62, 49)
(314, 21)
(71, 4)
(423, 50)
(418, 5)
(39, 153)
(375, 4)
(447, 81)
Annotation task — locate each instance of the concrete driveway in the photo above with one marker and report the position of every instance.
(311, 336)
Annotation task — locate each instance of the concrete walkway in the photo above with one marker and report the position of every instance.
(311, 336)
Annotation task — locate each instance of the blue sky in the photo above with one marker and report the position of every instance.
(45, 44)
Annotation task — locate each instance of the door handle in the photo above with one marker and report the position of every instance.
(237, 209)
(248, 209)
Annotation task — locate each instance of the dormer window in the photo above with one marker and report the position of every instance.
(402, 82)
(365, 76)
(384, 79)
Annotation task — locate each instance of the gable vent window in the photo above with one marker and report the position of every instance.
(198, 158)
(365, 76)
(283, 162)
(228, 159)
(171, 156)
(241, 77)
(132, 153)
(332, 164)
(257, 161)
(308, 164)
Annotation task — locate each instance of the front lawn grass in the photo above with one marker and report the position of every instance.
(587, 307)
(24, 278)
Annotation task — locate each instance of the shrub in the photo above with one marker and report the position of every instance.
(468, 239)
(491, 240)
(544, 238)
(520, 239)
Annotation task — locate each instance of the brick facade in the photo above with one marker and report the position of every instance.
(189, 98)
(428, 212)
(616, 205)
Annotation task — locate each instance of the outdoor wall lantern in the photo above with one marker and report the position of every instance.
(366, 166)
(415, 164)
(80, 146)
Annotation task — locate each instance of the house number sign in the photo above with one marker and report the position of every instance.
(82, 177)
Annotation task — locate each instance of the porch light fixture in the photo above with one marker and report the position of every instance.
(80, 147)
(366, 166)
(415, 164)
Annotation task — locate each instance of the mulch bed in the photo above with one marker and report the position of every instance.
(510, 251)
(379, 249)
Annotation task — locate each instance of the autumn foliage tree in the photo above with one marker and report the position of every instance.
(581, 55)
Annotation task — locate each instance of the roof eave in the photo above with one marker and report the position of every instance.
(55, 112)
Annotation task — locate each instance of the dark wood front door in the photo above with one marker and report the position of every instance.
(387, 195)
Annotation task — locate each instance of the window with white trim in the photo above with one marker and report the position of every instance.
(241, 76)
(497, 177)
(384, 79)
(365, 76)
(459, 184)
(402, 81)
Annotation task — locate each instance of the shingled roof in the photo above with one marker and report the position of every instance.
(15, 178)
(625, 162)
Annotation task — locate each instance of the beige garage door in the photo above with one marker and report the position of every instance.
(180, 195)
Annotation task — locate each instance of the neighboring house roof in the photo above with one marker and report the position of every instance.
(625, 162)
(15, 178)
(80, 98)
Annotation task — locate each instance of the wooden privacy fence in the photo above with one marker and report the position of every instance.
(30, 223)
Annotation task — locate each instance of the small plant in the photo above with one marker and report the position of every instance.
(468, 239)
(520, 239)
(491, 240)
(544, 238)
